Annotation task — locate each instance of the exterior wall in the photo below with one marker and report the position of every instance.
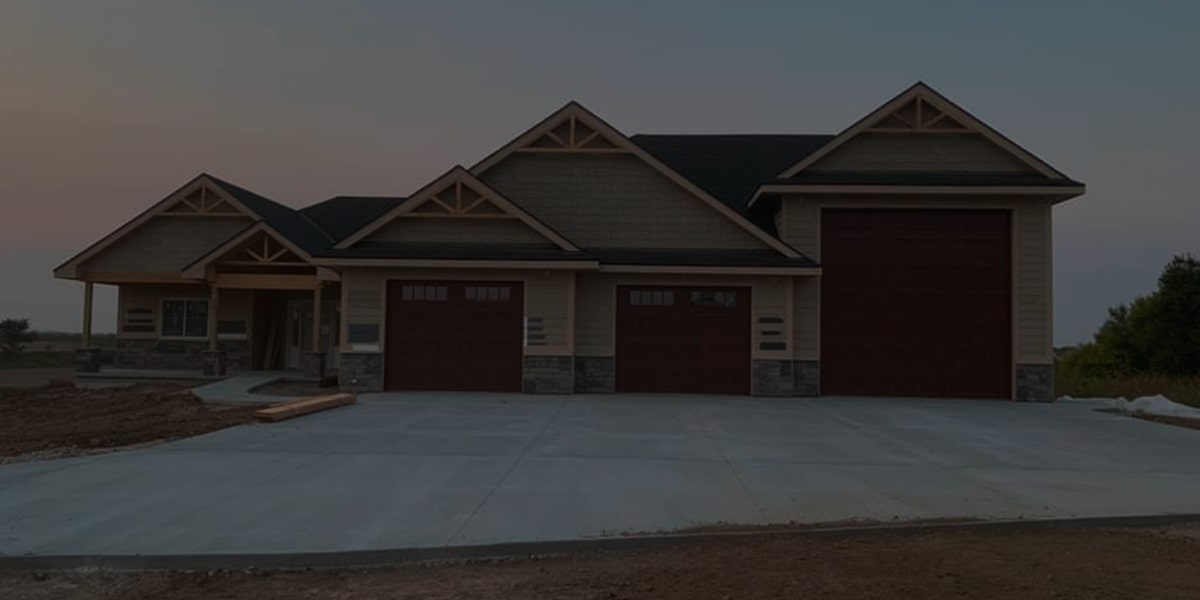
(461, 230)
(548, 304)
(147, 350)
(1032, 268)
(166, 244)
(613, 201)
(920, 152)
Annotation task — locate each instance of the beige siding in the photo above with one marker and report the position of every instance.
(546, 299)
(616, 201)
(1032, 254)
(595, 317)
(806, 320)
(928, 152)
(166, 244)
(233, 305)
(457, 230)
(802, 226)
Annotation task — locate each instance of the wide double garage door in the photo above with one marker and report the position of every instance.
(454, 335)
(916, 303)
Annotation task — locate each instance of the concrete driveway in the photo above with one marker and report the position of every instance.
(404, 470)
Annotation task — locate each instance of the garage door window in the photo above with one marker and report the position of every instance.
(652, 298)
(719, 299)
(488, 293)
(423, 293)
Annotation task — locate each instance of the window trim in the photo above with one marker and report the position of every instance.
(162, 313)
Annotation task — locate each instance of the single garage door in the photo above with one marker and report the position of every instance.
(683, 339)
(454, 335)
(916, 303)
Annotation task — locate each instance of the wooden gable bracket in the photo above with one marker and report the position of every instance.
(919, 116)
(460, 195)
(258, 245)
(572, 134)
(204, 202)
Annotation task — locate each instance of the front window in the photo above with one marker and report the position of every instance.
(185, 318)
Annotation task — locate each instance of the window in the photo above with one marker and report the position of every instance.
(488, 293)
(423, 293)
(185, 318)
(652, 297)
(722, 299)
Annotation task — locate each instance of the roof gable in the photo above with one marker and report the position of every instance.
(257, 246)
(601, 138)
(458, 194)
(921, 110)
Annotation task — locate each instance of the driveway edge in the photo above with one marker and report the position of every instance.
(365, 559)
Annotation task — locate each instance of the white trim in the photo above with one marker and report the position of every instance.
(1066, 192)
(434, 263)
(162, 313)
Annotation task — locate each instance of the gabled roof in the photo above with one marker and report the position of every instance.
(341, 216)
(575, 112)
(288, 222)
(731, 167)
(459, 177)
(932, 97)
(196, 268)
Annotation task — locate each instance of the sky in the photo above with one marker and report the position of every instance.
(108, 106)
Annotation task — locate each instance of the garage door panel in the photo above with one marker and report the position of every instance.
(916, 303)
(683, 339)
(454, 335)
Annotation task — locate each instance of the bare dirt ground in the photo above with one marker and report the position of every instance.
(34, 377)
(1146, 564)
(60, 419)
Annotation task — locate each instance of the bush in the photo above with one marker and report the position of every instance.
(14, 334)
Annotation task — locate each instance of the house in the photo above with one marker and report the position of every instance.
(908, 255)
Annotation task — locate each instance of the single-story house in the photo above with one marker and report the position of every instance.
(908, 255)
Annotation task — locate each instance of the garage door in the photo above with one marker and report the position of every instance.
(916, 303)
(683, 339)
(454, 335)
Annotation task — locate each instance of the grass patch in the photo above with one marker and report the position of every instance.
(1185, 390)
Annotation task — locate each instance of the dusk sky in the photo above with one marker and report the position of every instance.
(107, 106)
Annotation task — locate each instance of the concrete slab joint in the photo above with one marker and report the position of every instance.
(360, 372)
(807, 378)
(87, 360)
(595, 374)
(214, 363)
(772, 378)
(1035, 383)
(548, 375)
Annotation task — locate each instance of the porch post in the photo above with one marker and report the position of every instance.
(87, 358)
(214, 357)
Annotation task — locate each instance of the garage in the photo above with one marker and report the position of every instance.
(916, 303)
(454, 335)
(683, 339)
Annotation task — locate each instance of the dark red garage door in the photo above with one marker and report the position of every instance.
(683, 339)
(454, 335)
(916, 303)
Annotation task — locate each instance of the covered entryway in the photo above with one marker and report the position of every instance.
(916, 303)
(454, 335)
(683, 339)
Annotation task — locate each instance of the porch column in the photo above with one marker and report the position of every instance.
(87, 358)
(214, 357)
(313, 363)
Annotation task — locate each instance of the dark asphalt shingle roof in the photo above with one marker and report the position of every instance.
(343, 215)
(290, 223)
(698, 258)
(731, 167)
(964, 179)
(616, 256)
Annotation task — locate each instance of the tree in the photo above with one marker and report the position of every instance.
(1157, 334)
(14, 334)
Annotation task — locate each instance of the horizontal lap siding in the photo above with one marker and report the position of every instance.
(595, 313)
(613, 201)
(461, 230)
(546, 298)
(929, 153)
(806, 320)
(1033, 281)
(233, 305)
(166, 244)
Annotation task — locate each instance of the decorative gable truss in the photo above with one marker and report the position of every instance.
(572, 134)
(459, 195)
(207, 201)
(258, 248)
(921, 110)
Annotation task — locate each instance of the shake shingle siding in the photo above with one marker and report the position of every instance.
(166, 244)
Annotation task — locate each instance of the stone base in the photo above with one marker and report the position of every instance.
(214, 363)
(360, 372)
(178, 355)
(595, 374)
(1035, 383)
(312, 364)
(806, 378)
(548, 375)
(772, 378)
(87, 360)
